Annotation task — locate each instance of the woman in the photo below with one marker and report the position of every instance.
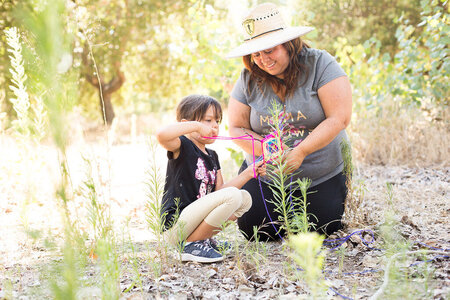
(315, 94)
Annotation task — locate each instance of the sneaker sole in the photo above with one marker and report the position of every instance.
(189, 257)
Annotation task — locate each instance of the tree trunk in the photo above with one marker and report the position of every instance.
(107, 109)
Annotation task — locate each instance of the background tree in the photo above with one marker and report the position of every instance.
(142, 41)
(357, 21)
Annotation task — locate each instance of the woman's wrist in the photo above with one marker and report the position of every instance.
(299, 152)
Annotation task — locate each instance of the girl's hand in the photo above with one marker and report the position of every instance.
(205, 130)
(260, 169)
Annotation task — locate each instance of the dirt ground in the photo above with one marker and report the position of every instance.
(419, 202)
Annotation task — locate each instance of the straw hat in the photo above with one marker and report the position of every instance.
(264, 28)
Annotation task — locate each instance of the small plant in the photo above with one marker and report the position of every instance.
(7, 287)
(283, 198)
(178, 231)
(341, 252)
(250, 252)
(257, 251)
(135, 263)
(390, 197)
(395, 245)
(302, 219)
(66, 276)
(103, 240)
(98, 211)
(222, 234)
(109, 271)
(238, 253)
(309, 256)
(355, 193)
(292, 210)
(155, 218)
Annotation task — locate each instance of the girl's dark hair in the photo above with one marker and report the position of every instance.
(194, 107)
(292, 73)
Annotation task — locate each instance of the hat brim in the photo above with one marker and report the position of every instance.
(269, 40)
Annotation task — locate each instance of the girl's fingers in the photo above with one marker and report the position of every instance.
(259, 164)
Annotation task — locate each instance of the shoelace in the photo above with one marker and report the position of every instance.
(211, 242)
(204, 245)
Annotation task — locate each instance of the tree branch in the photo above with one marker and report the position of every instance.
(86, 73)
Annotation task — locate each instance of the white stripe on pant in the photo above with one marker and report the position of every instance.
(214, 208)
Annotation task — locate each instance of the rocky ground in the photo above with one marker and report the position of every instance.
(354, 270)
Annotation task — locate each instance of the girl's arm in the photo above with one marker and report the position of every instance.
(242, 178)
(336, 100)
(169, 136)
(239, 121)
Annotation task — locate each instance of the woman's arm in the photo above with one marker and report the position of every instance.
(168, 136)
(336, 100)
(239, 121)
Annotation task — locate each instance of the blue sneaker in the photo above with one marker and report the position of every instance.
(200, 251)
(221, 247)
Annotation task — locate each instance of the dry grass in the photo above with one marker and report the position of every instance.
(394, 136)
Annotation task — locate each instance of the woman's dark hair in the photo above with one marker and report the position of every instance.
(292, 73)
(194, 107)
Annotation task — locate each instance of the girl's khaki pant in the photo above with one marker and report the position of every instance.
(214, 208)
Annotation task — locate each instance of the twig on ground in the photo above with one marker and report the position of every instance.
(391, 260)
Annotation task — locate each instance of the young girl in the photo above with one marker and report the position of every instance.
(194, 183)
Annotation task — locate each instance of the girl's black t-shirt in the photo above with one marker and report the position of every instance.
(189, 177)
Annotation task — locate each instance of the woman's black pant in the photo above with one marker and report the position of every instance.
(325, 204)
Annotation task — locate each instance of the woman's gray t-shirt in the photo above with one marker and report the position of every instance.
(303, 110)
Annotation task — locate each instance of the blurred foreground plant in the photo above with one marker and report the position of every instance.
(45, 26)
(309, 256)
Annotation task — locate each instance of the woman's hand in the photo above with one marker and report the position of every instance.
(293, 159)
